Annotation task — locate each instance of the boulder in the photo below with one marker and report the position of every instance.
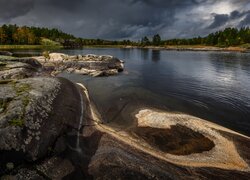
(35, 113)
(55, 57)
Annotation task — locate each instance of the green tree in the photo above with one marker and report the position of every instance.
(145, 41)
(156, 40)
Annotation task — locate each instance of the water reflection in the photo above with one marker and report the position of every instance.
(145, 54)
(126, 52)
(156, 55)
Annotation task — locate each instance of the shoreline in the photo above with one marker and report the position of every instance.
(193, 48)
(167, 48)
(177, 48)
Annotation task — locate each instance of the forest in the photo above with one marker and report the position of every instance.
(225, 38)
(15, 35)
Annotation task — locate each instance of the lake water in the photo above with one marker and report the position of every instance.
(211, 85)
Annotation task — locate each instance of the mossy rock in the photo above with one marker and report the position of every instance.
(22, 88)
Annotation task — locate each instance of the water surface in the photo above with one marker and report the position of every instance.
(211, 85)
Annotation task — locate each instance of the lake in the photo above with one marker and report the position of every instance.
(211, 85)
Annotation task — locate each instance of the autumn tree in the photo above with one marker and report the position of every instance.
(3, 36)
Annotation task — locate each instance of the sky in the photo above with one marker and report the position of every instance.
(128, 19)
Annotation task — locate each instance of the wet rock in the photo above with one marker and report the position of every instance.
(97, 73)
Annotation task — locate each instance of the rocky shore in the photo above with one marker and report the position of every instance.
(49, 129)
(90, 64)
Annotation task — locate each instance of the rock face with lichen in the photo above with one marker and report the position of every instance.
(37, 115)
(34, 114)
(90, 64)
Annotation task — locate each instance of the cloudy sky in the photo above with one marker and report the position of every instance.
(128, 19)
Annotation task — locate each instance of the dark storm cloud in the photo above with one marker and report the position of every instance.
(246, 21)
(13, 8)
(120, 19)
(68, 5)
(222, 19)
(219, 20)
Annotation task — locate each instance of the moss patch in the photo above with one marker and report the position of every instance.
(21, 88)
(17, 122)
(22, 91)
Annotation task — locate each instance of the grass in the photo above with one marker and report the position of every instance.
(9, 47)
(247, 46)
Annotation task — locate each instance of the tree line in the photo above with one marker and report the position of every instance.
(225, 38)
(13, 34)
(23, 35)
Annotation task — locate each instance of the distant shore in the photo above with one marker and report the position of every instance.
(199, 48)
(177, 48)
(169, 47)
